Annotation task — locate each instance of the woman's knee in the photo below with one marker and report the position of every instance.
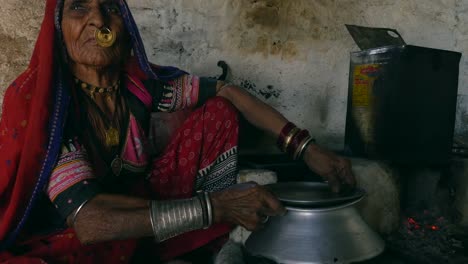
(222, 105)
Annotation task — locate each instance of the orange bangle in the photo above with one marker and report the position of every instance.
(289, 138)
(297, 142)
(284, 132)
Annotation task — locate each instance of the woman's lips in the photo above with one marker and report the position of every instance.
(91, 41)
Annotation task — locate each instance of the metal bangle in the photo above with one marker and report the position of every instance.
(77, 211)
(201, 197)
(151, 216)
(303, 147)
(174, 217)
(209, 209)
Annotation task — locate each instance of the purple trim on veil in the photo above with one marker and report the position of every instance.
(164, 73)
(56, 128)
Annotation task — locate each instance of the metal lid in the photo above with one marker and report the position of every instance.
(312, 194)
(370, 38)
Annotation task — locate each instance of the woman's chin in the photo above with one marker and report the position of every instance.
(104, 65)
(100, 63)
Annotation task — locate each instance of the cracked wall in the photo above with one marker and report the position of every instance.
(294, 55)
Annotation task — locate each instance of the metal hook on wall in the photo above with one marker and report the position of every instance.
(223, 65)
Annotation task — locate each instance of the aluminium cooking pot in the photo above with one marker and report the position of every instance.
(319, 227)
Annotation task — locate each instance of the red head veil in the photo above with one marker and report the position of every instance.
(25, 126)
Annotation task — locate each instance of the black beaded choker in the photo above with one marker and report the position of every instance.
(108, 91)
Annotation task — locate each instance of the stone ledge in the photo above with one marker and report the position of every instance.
(259, 176)
(381, 206)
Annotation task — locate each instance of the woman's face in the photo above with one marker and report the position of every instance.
(80, 20)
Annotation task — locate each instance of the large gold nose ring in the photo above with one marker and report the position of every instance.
(104, 37)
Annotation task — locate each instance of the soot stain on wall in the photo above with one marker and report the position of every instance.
(289, 28)
(268, 92)
(268, 27)
(322, 103)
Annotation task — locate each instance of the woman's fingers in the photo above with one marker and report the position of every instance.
(346, 174)
(333, 181)
(331, 167)
(341, 176)
(269, 206)
(272, 206)
(248, 207)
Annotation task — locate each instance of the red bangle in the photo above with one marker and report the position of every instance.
(284, 132)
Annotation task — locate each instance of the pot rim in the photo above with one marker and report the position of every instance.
(324, 209)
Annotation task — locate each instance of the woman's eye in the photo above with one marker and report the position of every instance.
(77, 7)
(113, 8)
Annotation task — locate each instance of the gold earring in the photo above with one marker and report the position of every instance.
(104, 37)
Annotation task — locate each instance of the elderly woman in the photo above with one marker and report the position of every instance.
(79, 182)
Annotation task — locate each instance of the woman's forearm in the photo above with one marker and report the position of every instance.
(254, 110)
(331, 167)
(112, 217)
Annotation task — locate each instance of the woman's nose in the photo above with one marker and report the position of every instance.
(97, 18)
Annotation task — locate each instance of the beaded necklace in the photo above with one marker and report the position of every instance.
(112, 134)
(108, 91)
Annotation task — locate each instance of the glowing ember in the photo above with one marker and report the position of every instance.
(429, 238)
(412, 224)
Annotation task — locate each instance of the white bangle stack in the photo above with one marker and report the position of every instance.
(174, 217)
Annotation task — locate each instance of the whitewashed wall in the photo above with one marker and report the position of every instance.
(294, 52)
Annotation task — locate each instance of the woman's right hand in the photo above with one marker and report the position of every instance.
(247, 204)
(331, 167)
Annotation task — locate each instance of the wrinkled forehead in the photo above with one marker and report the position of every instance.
(61, 3)
(67, 2)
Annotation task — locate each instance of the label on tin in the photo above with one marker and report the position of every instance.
(364, 77)
(363, 81)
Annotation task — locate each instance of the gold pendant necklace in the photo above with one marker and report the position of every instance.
(112, 137)
(111, 134)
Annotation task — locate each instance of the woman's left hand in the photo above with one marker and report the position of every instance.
(245, 204)
(331, 167)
